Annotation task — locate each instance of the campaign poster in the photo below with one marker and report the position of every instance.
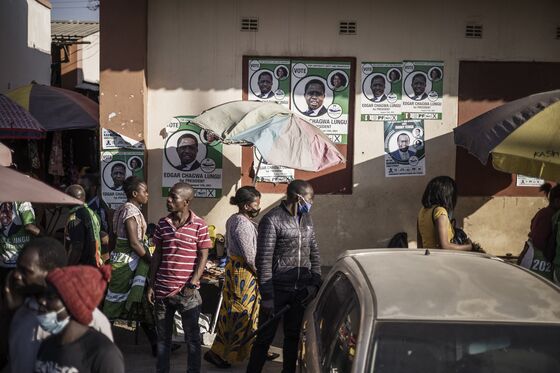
(113, 140)
(116, 166)
(422, 86)
(269, 80)
(320, 92)
(268, 173)
(381, 91)
(192, 155)
(404, 148)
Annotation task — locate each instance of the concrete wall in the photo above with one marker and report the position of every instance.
(122, 87)
(195, 54)
(25, 42)
(88, 60)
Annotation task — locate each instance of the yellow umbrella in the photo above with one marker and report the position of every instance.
(533, 149)
(522, 136)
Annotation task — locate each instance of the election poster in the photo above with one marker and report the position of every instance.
(320, 92)
(422, 85)
(113, 140)
(270, 173)
(404, 148)
(116, 166)
(381, 91)
(192, 155)
(269, 80)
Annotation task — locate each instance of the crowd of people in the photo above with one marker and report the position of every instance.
(60, 299)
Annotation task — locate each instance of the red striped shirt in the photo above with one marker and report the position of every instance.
(179, 248)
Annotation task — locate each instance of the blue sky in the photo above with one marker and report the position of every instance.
(75, 10)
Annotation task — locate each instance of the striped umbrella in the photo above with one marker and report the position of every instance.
(18, 123)
(280, 136)
(523, 136)
(57, 108)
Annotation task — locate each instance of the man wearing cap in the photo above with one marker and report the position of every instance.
(65, 311)
(36, 260)
(182, 244)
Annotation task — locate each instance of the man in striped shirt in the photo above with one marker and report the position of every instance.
(182, 244)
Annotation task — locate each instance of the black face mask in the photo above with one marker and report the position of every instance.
(253, 213)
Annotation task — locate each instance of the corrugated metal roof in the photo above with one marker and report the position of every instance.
(72, 30)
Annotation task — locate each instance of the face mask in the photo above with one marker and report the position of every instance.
(50, 323)
(253, 213)
(305, 207)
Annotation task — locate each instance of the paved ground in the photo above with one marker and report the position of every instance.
(138, 357)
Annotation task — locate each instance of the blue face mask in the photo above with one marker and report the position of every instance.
(50, 323)
(305, 207)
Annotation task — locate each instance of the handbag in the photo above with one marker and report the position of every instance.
(460, 237)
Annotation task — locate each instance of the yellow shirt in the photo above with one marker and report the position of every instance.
(426, 226)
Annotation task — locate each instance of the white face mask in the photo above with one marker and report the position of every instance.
(50, 323)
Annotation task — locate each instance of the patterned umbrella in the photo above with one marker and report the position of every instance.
(57, 108)
(280, 136)
(523, 136)
(17, 123)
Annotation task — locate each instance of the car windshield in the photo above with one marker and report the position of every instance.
(415, 347)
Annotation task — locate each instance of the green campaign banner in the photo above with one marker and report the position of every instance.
(381, 91)
(422, 89)
(269, 80)
(320, 92)
(116, 166)
(192, 155)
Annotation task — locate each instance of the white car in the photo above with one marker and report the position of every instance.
(415, 311)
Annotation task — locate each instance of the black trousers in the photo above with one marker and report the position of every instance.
(292, 325)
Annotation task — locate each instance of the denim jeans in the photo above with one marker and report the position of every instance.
(187, 303)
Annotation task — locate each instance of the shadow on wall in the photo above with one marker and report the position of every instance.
(367, 221)
(363, 220)
(378, 208)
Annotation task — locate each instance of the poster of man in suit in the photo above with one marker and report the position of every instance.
(404, 148)
(269, 80)
(320, 92)
(191, 155)
(422, 86)
(116, 166)
(381, 91)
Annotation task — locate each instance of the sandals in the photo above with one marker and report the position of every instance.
(214, 359)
